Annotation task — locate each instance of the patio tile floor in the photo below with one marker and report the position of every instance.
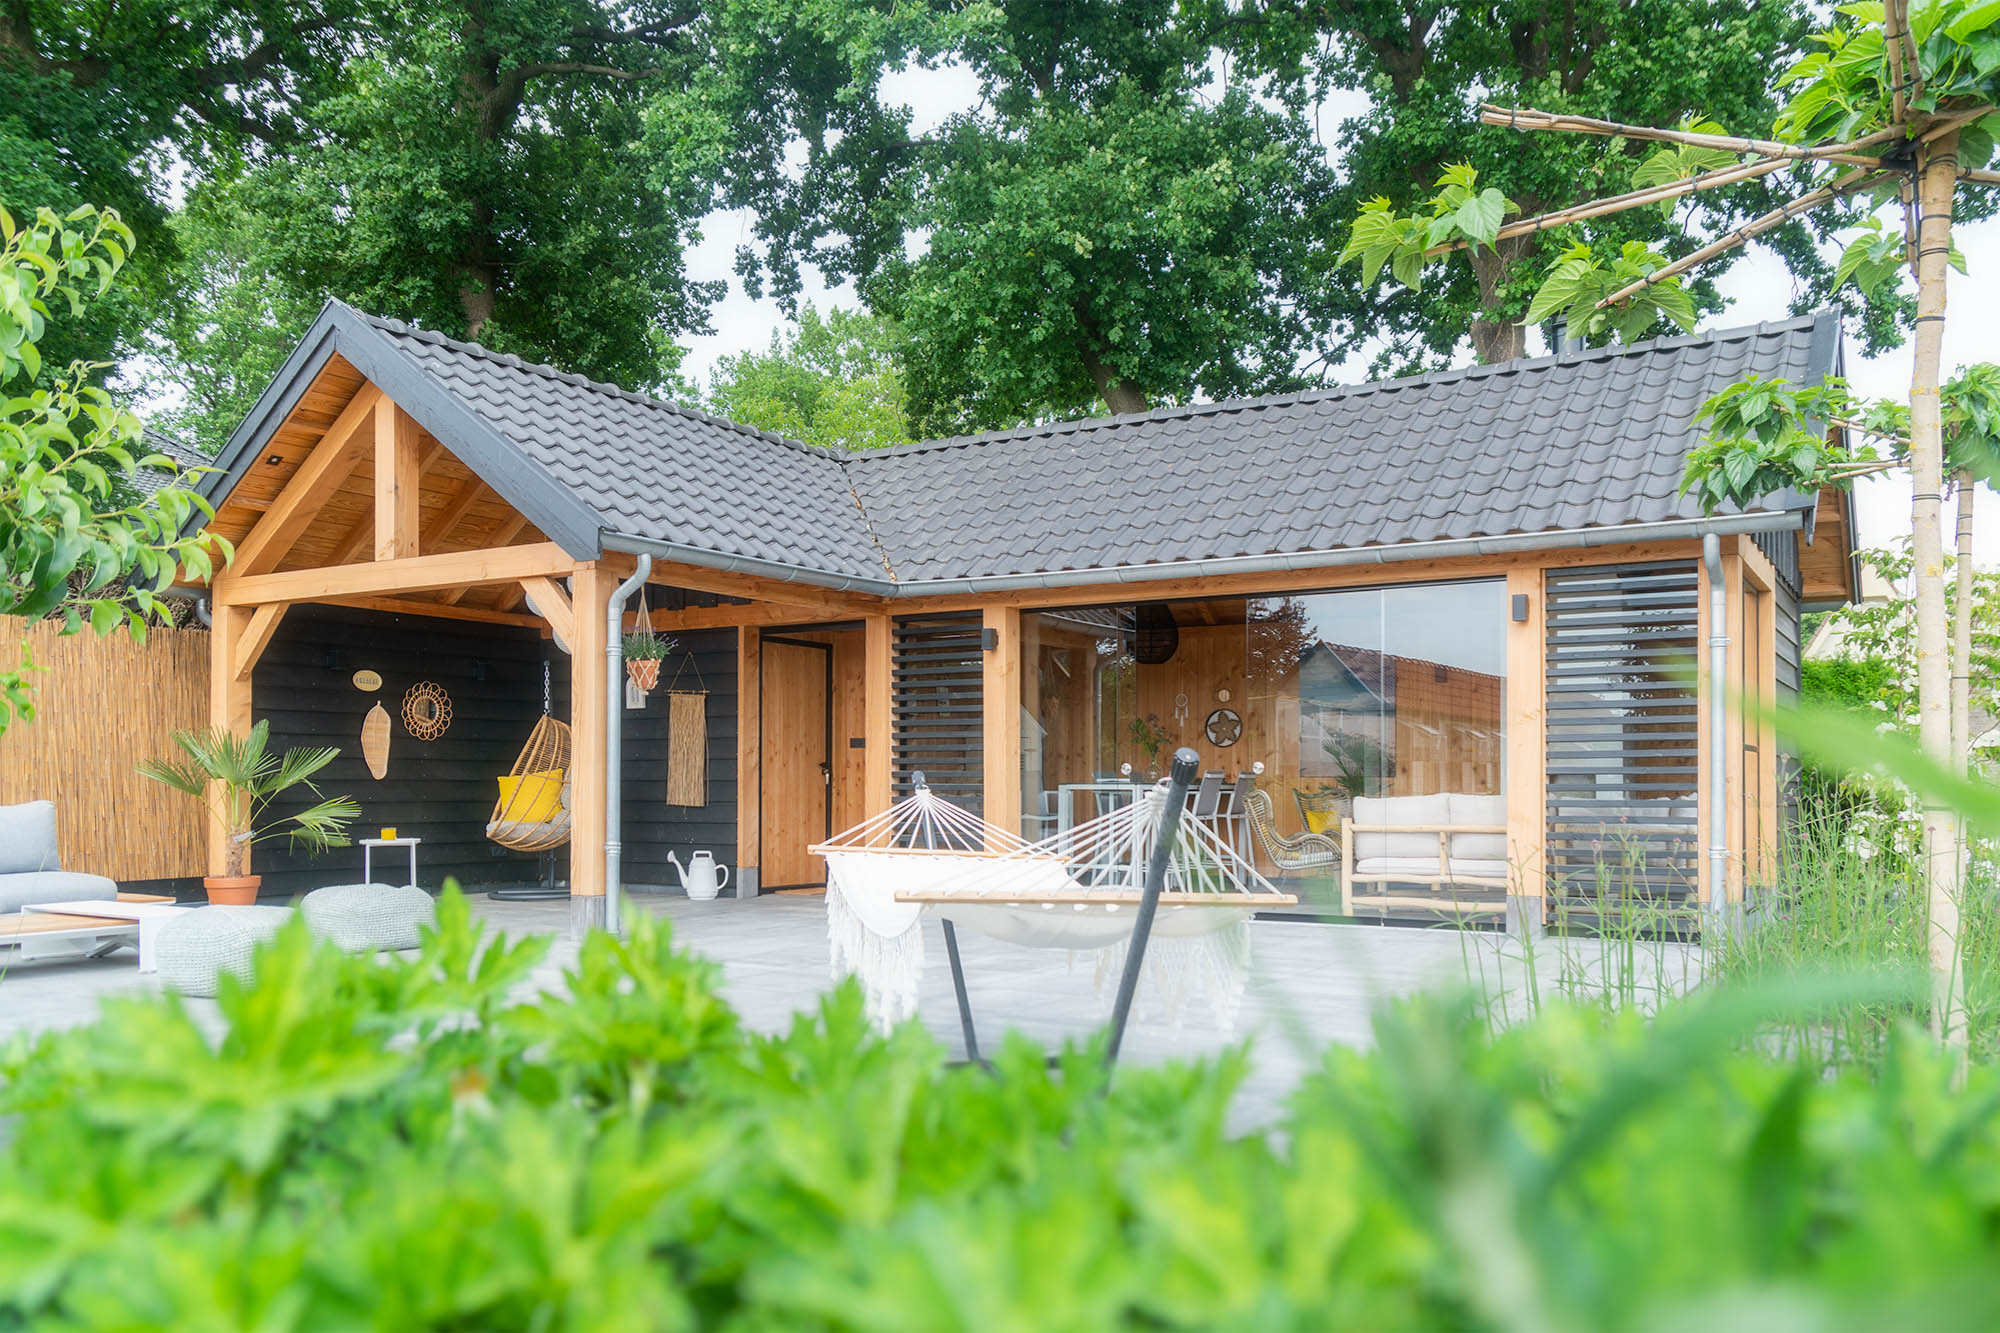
(1311, 984)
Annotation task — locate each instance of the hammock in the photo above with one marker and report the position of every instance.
(1075, 891)
(532, 814)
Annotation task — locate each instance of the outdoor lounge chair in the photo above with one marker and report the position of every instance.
(30, 868)
(1440, 841)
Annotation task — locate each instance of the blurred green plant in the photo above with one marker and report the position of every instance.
(400, 1143)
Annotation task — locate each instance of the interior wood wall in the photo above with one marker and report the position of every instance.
(101, 706)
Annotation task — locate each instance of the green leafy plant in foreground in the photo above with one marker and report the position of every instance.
(410, 1143)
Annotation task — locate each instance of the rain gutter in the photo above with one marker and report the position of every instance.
(1284, 562)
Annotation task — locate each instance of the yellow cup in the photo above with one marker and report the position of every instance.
(388, 835)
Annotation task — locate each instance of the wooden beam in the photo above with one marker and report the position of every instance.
(828, 603)
(447, 519)
(554, 605)
(878, 759)
(1526, 732)
(403, 606)
(1299, 580)
(358, 536)
(397, 482)
(319, 474)
(749, 745)
(458, 569)
(256, 637)
(502, 535)
(228, 706)
(589, 707)
(1001, 691)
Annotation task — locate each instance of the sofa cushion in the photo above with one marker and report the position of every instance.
(1433, 809)
(1488, 810)
(53, 886)
(28, 838)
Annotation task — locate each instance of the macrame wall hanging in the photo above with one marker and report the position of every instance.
(687, 738)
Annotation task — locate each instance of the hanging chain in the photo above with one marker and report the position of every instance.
(547, 704)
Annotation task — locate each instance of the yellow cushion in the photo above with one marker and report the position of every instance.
(532, 798)
(1319, 821)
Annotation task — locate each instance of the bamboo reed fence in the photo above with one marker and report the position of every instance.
(101, 706)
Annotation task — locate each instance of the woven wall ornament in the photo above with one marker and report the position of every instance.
(375, 742)
(426, 710)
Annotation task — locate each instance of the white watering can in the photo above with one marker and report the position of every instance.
(701, 876)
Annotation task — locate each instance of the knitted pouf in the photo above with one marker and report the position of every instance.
(360, 918)
(197, 946)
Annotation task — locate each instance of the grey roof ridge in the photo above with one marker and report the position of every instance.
(402, 328)
(1429, 378)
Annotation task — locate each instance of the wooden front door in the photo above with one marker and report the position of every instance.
(796, 753)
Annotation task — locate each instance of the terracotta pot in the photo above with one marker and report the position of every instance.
(232, 890)
(644, 671)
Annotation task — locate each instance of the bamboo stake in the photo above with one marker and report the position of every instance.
(1619, 203)
(1526, 118)
(1750, 230)
(1894, 25)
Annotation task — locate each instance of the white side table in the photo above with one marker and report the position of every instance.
(368, 846)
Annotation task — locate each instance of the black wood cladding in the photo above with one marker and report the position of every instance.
(443, 790)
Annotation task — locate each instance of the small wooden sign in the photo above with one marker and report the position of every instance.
(365, 679)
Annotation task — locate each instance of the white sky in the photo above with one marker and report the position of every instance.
(1758, 287)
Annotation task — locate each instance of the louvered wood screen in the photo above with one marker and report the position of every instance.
(1623, 732)
(939, 693)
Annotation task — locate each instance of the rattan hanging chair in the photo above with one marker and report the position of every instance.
(532, 813)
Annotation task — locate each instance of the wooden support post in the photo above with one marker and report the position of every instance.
(228, 703)
(878, 676)
(553, 605)
(749, 747)
(589, 707)
(397, 480)
(1742, 657)
(256, 637)
(1527, 764)
(1001, 690)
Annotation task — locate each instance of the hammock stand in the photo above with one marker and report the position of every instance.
(1098, 886)
(547, 750)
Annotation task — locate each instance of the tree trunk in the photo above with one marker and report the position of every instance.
(1497, 340)
(1961, 630)
(1934, 202)
(1119, 394)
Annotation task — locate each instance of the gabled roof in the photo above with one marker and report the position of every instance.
(1566, 444)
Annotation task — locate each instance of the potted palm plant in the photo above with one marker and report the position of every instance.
(237, 778)
(643, 651)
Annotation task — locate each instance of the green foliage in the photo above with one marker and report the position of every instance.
(645, 644)
(1845, 682)
(1674, 162)
(1459, 214)
(833, 381)
(1142, 246)
(405, 1143)
(1843, 89)
(1580, 281)
(71, 543)
(237, 778)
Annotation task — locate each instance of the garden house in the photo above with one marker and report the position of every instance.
(1440, 641)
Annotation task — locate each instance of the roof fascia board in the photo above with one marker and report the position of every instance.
(1511, 543)
(496, 460)
(275, 404)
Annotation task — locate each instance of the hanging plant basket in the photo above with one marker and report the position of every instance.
(644, 671)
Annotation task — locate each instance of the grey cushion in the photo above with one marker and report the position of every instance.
(28, 838)
(363, 917)
(197, 946)
(53, 886)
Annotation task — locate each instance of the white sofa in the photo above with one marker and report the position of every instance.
(30, 868)
(1445, 840)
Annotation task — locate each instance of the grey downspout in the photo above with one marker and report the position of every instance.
(1718, 734)
(614, 739)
